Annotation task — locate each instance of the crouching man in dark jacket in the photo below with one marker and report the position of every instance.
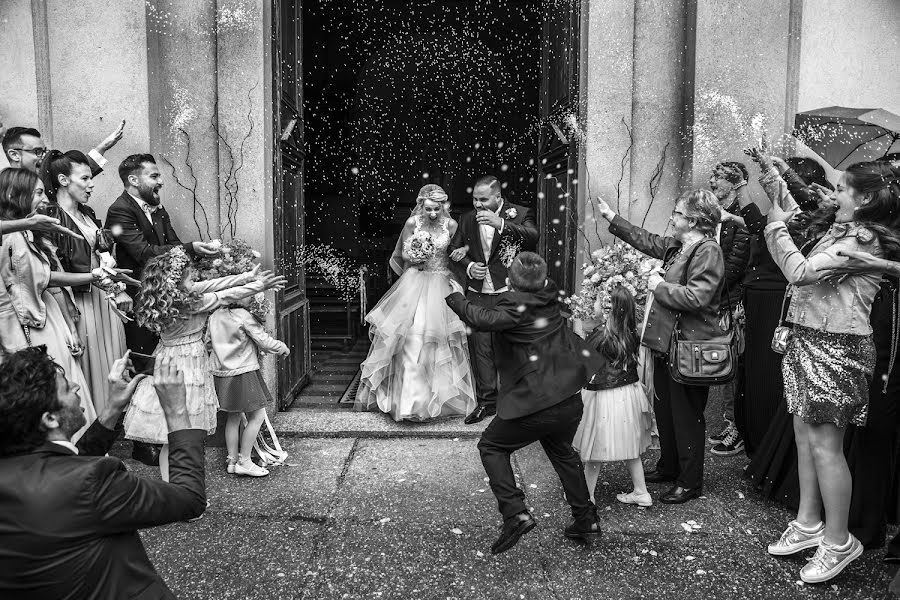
(69, 516)
(542, 368)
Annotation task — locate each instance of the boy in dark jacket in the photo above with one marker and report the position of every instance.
(542, 368)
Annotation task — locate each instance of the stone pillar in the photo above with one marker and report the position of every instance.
(741, 77)
(18, 86)
(181, 55)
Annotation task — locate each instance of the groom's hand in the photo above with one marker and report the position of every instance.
(486, 217)
(478, 271)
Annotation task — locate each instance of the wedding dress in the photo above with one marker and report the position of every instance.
(418, 365)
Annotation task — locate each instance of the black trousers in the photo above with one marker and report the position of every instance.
(554, 428)
(682, 427)
(481, 353)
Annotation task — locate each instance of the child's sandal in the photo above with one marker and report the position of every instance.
(230, 461)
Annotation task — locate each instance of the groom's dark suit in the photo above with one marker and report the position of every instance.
(519, 232)
(543, 366)
(138, 242)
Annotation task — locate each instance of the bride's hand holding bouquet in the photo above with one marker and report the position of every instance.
(418, 247)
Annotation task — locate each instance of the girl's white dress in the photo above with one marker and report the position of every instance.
(418, 365)
(184, 343)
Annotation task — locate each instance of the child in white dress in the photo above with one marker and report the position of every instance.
(236, 336)
(617, 422)
(173, 305)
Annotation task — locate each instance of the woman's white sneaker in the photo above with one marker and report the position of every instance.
(829, 561)
(794, 539)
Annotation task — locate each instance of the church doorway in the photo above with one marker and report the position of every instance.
(397, 94)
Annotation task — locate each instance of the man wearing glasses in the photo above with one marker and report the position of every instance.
(24, 148)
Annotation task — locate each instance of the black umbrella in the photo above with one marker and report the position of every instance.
(844, 136)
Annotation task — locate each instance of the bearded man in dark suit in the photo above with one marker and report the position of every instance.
(69, 516)
(486, 241)
(143, 229)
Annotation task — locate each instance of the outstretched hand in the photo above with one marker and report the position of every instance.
(44, 223)
(605, 210)
(271, 281)
(857, 262)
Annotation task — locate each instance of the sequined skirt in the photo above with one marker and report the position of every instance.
(826, 376)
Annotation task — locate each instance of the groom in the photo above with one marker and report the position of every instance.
(494, 233)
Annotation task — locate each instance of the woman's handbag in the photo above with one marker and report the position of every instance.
(783, 332)
(708, 362)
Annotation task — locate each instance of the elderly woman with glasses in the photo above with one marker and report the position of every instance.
(689, 291)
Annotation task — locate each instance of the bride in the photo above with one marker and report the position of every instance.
(418, 366)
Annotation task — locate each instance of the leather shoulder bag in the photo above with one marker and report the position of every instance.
(706, 362)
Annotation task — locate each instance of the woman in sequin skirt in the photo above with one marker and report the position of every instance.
(830, 357)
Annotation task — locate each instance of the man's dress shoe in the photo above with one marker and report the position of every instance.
(655, 476)
(680, 495)
(481, 412)
(579, 532)
(513, 529)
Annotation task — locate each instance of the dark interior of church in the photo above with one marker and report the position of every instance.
(398, 94)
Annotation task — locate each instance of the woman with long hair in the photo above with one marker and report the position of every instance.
(830, 357)
(418, 365)
(688, 295)
(29, 270)
(68, 184)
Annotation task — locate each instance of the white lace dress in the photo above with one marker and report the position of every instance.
(418, 366)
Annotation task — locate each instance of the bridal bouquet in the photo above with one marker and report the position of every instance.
(614, 265)
(236, 257)
(419, 247)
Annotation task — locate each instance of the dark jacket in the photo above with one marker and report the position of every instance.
(695, 304)
(608, 376)
(540, 361)
(74, 254)
(69, 524)
(139, 241)
(735, 243)
(519, 232)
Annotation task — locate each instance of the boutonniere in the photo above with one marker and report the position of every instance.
(511, 213)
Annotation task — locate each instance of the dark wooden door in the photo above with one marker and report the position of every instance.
(558, 146)
(292, 307)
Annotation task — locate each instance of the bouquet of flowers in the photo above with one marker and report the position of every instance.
(614, 265)
(419, 247)
(236, 257)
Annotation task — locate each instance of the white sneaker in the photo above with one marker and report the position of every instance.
(250, 468)
(635, 498)
(828, 561)
(794, 540)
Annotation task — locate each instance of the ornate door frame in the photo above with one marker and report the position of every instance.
(558, 148)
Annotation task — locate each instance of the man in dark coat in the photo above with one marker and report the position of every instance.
(485, 243)
(143, 229)
(543, 366)
(69, 516)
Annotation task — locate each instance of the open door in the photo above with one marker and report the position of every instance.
(557, 147)
(292, 305)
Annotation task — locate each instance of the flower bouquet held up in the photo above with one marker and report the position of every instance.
(236, 257)
(614, 265)
(419, 247)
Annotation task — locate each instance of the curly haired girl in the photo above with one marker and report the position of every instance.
(171, 304)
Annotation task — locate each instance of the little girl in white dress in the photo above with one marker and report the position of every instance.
(177, 308)
(617, 423)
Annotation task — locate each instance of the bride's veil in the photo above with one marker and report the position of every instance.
(432, 192)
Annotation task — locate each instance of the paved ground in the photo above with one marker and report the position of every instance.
(406, 517)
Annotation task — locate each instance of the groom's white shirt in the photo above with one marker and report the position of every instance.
(487, 239)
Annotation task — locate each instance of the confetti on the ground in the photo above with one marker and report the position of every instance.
(456, 530)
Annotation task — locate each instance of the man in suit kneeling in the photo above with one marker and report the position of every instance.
(69, 516)
(542, 367)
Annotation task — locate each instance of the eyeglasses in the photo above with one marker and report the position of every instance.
(38, 152)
